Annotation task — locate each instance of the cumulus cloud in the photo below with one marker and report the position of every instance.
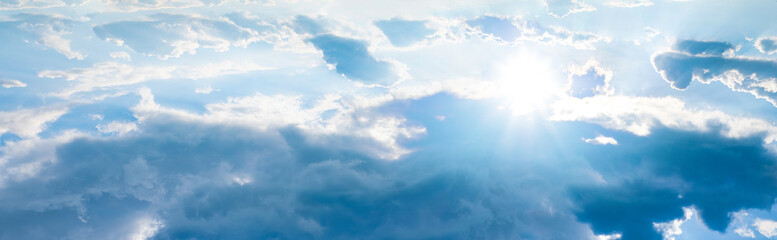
(172, 35)
(601, 140)
(690, 169)
(205, 90)
(767, 45)
(187, 178)
(563, 8)
(402, 32)
(514, 30)
(117, 127)
(46, 30)
(765, 227)
(121, 55)
(10, 83)
(330, 117)
(706, 65)
(106, 75)
(589, 80)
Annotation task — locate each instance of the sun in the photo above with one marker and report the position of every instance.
(527, 83)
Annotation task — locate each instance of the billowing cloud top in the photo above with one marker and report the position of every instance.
(541, 119)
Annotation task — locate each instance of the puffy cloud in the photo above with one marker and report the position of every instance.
(47, 30)
(116, 127)
(402, 32)
(514, 30)
(683, 169)
(10, 83)
(25, 158)
(171, 35)
(601, 140)
(205, 90)
(178, 178)
(351, 58)
(589, 79)
(672, 228)
(767, 45)
(629, 3)
(563, 8)
(330, 117)
(768, 228)
(741, 74)
(121, 55)
(112, 74)
(27, 123)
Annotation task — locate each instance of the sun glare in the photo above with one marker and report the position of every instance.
(527, 83)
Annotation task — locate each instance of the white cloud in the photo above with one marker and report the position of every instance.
(639, 115)
(116, 127)
(526, 30)
(10, 83)
(327, 117)
(205, 90)
(121, 55)
(563, 8)
(745, 232)
(25, 158)
(590, 78)
(171, 35)
(112, 74)
(36, 4)
(49, 31)
(614, 236)
(765, 227)
(27, 123)
(147, 5)
(673, 228)
(741, 228)
(146, 228)
(767, 45)
(601, 140)
(630, 3)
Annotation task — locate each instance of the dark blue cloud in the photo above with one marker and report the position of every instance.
(650, 180)
(403, 33)
(352, 59)
(704, 47)
(183, 174)
(752, 75)
(481, 182)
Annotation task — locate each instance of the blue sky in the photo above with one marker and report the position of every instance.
(340, 119)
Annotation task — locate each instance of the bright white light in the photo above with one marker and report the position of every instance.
(146, 227)
(527, 82)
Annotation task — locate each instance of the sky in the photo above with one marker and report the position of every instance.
(388, 119)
